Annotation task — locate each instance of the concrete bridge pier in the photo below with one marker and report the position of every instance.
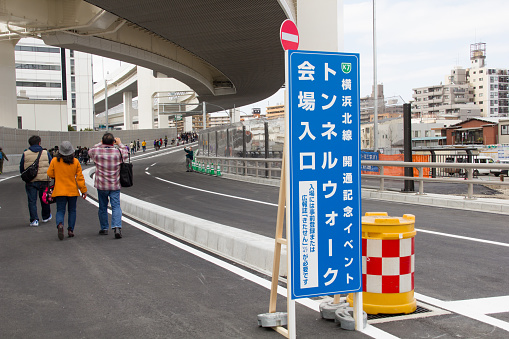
(8, 96)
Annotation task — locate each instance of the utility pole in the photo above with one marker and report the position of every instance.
(375, 91)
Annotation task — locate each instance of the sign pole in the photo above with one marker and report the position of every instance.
(292, 328)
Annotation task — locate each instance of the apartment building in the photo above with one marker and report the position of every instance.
(444, 100)
(490, 85)
(54, 87)
(476, 91)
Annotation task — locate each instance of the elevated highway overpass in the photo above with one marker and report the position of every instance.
(228, 52)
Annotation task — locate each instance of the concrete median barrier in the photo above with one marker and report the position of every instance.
(250, 249)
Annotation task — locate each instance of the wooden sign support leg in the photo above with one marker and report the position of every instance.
(279, 241)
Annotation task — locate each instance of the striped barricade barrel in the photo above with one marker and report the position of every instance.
(388, 263)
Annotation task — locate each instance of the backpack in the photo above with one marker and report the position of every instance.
(1, 155)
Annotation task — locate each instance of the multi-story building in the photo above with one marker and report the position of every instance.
(491, 85)
(388, 108)
(451, 99)
(275, 112)
(476, 91)
(54, 87)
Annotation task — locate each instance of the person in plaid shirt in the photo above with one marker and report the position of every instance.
(107, 160)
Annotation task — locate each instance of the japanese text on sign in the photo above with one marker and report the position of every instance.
(324, 172)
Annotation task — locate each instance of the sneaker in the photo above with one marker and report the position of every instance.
(118, 232)
(46, 220)
(34, 223)
(103, 232)
(60, 228)
(70, 233)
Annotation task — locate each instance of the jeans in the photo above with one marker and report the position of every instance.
(71, 209)
(116, 212)
(32, 188)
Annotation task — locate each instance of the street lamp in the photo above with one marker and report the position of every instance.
(375, 126)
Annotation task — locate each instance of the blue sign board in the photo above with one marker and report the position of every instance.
(369, 156)
(324, 173)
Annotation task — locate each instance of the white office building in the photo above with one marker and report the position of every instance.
(54, 87)
(490, 85)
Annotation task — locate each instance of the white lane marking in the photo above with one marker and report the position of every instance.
(146, 169)
(484, 305)
(146, 172)
(463, 238)
(314, 305)
(216, 193)
(467, 312)
(13, 176)
(271, 204)
(153, 164)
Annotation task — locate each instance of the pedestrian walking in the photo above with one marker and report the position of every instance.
(40, 182)
(107, 160)
(3, 157)
(66, 170)
(132, 146)
(144, 145)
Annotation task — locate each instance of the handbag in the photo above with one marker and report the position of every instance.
(31, 171)
(126, 172)
(47, 195)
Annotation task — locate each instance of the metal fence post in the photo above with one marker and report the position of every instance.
(266, 126)
(227, 143)
(407, 137)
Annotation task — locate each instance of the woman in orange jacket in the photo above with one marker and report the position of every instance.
(66, 170)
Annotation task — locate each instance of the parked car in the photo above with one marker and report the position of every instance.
(497, 172)
(481, 159)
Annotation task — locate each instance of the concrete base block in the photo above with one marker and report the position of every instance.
(273, 319)
(328, 309)
(344, 316)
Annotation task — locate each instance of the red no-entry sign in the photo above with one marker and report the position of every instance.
(289, 35)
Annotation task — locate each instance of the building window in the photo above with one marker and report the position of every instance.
(481, 87)
(38, 67)
(73, 84)
(73, 117)
(481, 102)
(71, 53)
(481, 71)
(504, 129)
(20, 122)
(480, 94)
(481, 79)
(72, 66)
(73, 100)
(38, 84)
(37, 49)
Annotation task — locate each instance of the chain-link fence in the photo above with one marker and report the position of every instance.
(262, 139)
(246, 139)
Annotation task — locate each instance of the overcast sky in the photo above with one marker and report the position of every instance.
(418, 42)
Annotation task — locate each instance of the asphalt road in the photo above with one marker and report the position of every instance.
(143, 286)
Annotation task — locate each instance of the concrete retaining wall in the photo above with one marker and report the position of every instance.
(252, 250)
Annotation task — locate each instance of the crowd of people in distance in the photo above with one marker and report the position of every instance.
(185, 138)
